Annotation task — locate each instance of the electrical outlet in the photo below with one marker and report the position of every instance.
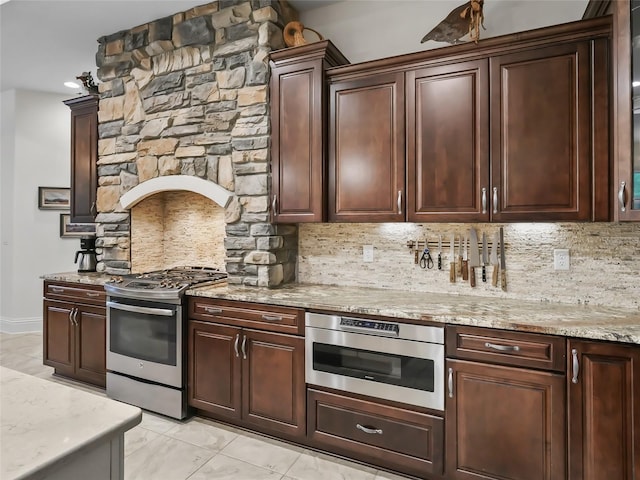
(367, 253)
(561, 259)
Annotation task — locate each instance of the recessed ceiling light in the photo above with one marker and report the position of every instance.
(71, 85)
(635, 84)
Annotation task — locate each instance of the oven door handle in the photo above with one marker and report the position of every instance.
(146, 310)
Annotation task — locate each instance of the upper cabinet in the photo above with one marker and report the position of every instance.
(84, 158)
(513, 129)
(627, 109)
(366, 149)
(298, 139)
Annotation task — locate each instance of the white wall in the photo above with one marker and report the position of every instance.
(36, 129)
(372, 29)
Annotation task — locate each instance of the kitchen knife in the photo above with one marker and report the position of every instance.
(474, 256)
(452, 260)
(493, 259)
(465, 260)
(485, 257)
(503, 266)
(460, 256)
(439, 252)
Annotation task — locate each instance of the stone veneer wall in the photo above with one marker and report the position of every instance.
(187, 94)
(605, 260)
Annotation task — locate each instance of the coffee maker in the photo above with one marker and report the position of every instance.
(86, 258)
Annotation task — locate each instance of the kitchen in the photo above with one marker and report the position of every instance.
(332, 254)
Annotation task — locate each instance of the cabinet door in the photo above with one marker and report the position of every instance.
(58, 333)
(84, 157)
(540, 134)
(627, 111)
(273, 382)
(214, 368)
(367, 149)
(297, 143)
(90, 339)
(448, 143)
(604, 411)
(504, 423)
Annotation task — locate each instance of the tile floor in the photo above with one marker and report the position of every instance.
(161, 448)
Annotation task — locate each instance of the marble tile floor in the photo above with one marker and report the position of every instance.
(161, 448)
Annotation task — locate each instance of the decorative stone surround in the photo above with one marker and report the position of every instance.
(188, 95)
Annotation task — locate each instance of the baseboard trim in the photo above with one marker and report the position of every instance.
(20, 325)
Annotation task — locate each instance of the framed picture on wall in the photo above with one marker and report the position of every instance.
(54, 198)
(68, 229)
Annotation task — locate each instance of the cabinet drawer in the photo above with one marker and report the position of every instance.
(252, 315)
(87, 294)
(546, 352)
(390, 437)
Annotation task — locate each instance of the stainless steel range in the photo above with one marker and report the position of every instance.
(146, 362)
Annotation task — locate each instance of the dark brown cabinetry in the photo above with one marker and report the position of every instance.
(503, 421)
(367, 149)
(252, 376)
(514, 130)
(298, 123)
(626, 111)
(392, 437)
(604, 410)
(84, 158)
(74, 324)
(448, 142)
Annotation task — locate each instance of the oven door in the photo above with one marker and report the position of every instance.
(144, 340)
(394, 369)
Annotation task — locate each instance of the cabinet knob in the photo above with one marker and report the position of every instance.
(622, 197)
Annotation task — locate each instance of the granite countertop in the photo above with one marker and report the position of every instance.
(89, 278)
(43, 423)
(581, 321)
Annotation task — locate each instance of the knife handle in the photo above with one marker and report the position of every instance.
(465, 270)
(452, 272)
(494, 276)
(472, 276)
(484, 274)
(503, 279)
(415, 255)
(460, 265)
(439, 261)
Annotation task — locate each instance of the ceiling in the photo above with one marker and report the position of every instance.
(44, 43)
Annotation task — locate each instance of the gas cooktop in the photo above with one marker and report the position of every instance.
(168, 284)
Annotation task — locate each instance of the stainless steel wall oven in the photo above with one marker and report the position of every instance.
(394, 361)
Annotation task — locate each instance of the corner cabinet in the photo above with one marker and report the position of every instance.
(298, 123)
(74, 331)
(626, 110)
(246, 365)
(84, 158)
(604, 410)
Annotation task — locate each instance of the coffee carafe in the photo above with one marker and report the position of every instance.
(86, 258)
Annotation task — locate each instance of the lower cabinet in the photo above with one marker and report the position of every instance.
(391, 437)
(75, 340)
(247, 376)
(604, 410)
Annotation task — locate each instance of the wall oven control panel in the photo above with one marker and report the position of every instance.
(376, 327)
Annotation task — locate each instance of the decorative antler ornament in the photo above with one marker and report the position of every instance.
(462, 20)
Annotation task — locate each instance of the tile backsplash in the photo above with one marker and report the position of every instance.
(604, 260)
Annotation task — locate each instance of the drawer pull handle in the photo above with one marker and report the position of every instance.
(399, 202)
(57, 289)
(244, 347)
(369, 430)
(450, 383)
(495, 199)
(90, 294)
(484, 200)
(212, 310)
(272, 318)
(621, 197)
(576, 365)
(503, 348)
(235, 345)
